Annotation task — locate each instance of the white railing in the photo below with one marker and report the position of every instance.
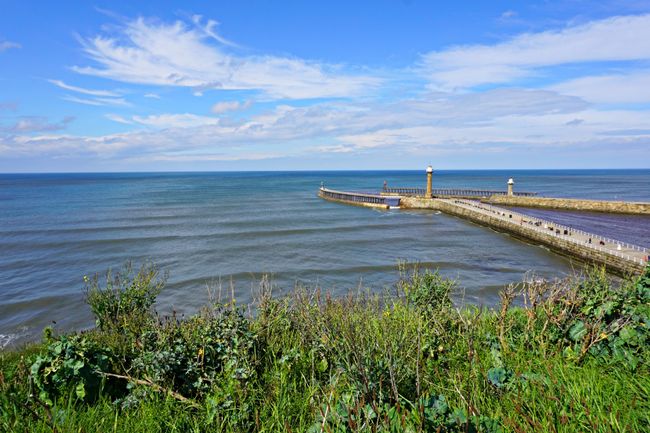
(501, 213)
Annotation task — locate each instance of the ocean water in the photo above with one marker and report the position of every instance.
(207, 229)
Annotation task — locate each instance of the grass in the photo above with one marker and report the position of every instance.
(574, 358)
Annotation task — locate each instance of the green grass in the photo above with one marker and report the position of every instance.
(574, 359)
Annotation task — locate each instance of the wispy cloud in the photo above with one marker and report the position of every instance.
(156, 53)
(183, 120)
(6, 45)
(98, 102)
(622, 88)
(209, 29)
(166, 120)
(91, 92)
(119, 119)
(152, 95)
(625, 38)
(225, 106)
(30, 124)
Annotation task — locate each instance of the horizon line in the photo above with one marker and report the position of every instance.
(320, 170)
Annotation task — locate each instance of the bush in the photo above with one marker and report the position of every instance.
(70, 363)
(428, 290)
(192, 357)
(126, 300)
(592, 317)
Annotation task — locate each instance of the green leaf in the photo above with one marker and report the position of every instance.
(322, 365)
(458, 418)
(629, 335)
(80, 390)
(498, 376)
(577, 331)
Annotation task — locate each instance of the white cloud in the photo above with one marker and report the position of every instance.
(29, 124)
(225, 106)
(91, 92)
(5, 45)
(632, 87)
(185, 120)
(147, 52)
(510, 117)
(173, 157)
(119, 119)
(625, 38)
(208, 29)
(152, 95)
(534, 122)
(98, 101)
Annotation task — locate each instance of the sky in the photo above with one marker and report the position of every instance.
(101, 86)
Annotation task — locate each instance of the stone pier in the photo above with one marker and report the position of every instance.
(623, 207)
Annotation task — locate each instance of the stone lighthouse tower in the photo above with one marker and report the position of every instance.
(511, 182)
(429, 181)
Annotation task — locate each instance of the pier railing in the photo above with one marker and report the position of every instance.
(544, 226)
(453, 192)
(359, 197)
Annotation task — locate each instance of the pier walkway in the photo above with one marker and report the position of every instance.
(633, 254)
(360, 198)
(451, 192)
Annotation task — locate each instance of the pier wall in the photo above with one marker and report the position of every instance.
(339, 197)
(623, 207)
(420, 203)
(558, 244)
(622, 261)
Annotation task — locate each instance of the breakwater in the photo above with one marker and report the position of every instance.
(359, 198)
(618, 257)
(623, 207)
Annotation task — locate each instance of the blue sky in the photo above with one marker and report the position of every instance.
(273, 85)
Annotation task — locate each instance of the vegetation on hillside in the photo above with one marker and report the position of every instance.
(572, 358)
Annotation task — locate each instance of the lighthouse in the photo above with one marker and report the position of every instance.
(429, 181)
(511, 182)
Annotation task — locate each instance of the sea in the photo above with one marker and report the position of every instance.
(225, 232)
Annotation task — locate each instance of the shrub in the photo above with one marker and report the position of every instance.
(192, 357)
(428, 290)
(592, 317)
(126, 300)
(70, 363)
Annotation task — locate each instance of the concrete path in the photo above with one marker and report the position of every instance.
(623, 250)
